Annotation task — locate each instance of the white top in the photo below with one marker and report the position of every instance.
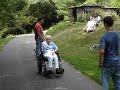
(48, 48)
(91, 25)
(97, 19)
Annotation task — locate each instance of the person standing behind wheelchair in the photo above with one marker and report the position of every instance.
(39, 37)
(49, 51)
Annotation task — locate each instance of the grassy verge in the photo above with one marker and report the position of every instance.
(60, 27)
(74, 46)
(4, 41)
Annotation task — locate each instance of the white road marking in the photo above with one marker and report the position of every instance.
(29, 41)
(4, 76)
(22, 35)
(57, 88)
(78, 72)
(60, 88)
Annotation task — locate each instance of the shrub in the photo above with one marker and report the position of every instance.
(5, 33)
(27, 28)
(99, 12)
(60, 17)
(12, 31)
(104, 14)
(81, 19)
(17, 31)
(45, 9)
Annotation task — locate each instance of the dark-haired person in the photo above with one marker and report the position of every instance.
(39, 36)
(109, 59)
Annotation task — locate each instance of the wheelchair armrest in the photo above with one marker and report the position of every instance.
(59, 58)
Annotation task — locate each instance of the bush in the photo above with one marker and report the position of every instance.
(81, 19)
(12, 31)
(5, 33)
(45, 9)
(99, 12)
(27, 28)
(17, 31)
(104, 14)
(60, 17)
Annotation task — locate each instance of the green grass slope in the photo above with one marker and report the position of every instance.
(74, 45)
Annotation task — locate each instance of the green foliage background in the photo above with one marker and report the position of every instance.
(16, 13)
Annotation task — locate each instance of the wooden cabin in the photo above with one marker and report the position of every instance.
(77, 11)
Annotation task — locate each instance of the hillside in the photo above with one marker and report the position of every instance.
(74, 46)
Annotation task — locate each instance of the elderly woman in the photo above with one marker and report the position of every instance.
(49, 49)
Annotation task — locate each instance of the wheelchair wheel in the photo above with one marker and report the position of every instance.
(40, 68)
(45, 73)
(62, 71)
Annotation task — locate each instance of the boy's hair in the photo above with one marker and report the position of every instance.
(108, 20)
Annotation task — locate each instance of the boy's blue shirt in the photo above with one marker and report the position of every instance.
(110, 41)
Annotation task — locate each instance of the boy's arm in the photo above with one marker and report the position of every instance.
(101, 57)
(102, 51)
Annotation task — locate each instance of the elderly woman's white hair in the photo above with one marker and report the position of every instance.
(48, 37)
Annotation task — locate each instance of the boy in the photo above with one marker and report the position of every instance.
(109, 59)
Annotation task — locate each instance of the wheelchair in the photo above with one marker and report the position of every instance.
(42, 67)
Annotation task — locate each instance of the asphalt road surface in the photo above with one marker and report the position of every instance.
(18, 70)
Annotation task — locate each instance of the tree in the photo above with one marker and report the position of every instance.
(8, 11)
(20, 4)
(114, 3)
(46, 10)
(80, 1)
(89, 2)
(108, 3)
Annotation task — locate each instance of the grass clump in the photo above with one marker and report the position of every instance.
(4, 41)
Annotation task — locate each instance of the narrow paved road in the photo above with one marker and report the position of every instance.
(18, 70)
